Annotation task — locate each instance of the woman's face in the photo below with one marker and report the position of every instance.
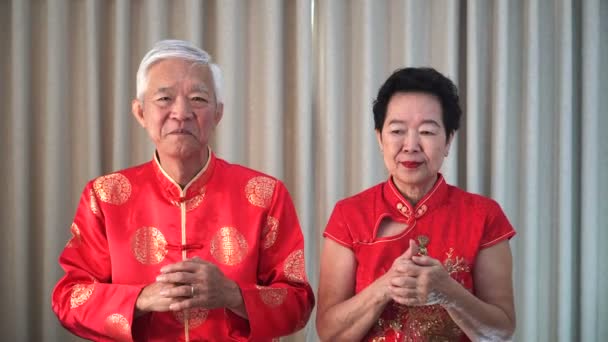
(413, 140)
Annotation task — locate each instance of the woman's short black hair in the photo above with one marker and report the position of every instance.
(424, 80)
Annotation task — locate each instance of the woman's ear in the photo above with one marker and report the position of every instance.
(448, 144)
(379, 139)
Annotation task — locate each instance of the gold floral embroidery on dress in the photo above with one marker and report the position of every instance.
(149, 245)
(76, 239)
(80, 294)
(270, 232)
(433, 323)
(391, 319)
(294, 267)
(113, 189)
(272, 296)
(196, 317)
(421, 323)
(229, 246)
(412, 324)
(194, 202)
(117, 326)
(94, 206)
(259, 191)
(455, 265)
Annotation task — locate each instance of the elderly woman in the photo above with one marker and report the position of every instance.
(413, 258)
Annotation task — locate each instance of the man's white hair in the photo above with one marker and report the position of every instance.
(177, 49)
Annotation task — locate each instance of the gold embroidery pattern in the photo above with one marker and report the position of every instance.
(391, 319)
(421, 323)
(259, 191)
(76, 239)
(117, 326)
(94, 206)
(194, 202)
(149, 245)
(455, 265)
(294, 267)
(196, 317)
(270, 232)
(80, 294)
(433, 323)
(229, 246)
(272, 296)
(113, 189)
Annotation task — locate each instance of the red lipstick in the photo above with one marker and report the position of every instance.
(411, 164)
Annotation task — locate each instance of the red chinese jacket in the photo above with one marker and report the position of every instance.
(131, 223)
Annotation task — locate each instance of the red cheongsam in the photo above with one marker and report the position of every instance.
(454, 226)
(131, 223)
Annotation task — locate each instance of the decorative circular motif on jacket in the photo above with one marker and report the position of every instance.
(259, 191)
(113, 189)
(196, 317)
(228, 246)
(149, 245)
(94, 206)
(270, 232)
(117, 326)
(294, 267)
(76, 239)
(80, 294)
(272, 296)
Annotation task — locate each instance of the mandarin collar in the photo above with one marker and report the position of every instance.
(402, 207)
(195, 187)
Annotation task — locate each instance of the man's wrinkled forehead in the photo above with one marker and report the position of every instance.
(197, 75)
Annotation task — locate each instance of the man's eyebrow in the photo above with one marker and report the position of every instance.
(163, 90)
(200, 87)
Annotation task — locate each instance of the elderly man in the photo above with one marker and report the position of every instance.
(186, 247)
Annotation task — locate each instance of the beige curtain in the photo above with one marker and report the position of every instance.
(300, 77)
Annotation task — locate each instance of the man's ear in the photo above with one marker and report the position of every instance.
(137, 109)
(219, 113)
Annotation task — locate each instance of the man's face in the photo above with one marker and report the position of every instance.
(179, 109)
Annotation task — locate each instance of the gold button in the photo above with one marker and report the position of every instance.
(399, 205)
